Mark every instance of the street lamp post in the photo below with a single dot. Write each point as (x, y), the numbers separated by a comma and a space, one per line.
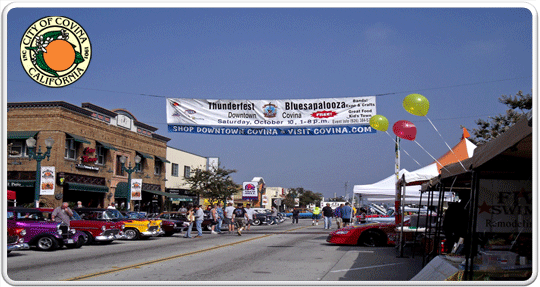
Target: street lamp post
(39, 156)
(129, 170)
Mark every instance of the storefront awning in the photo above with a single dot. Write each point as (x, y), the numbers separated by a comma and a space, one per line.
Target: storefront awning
(171, 195)
(107, 146)
(20, 135)
(21, 183)
(144, 155)
(87, 187)
(162, 159)
(122, 190)
(78, 138)
(184, 198)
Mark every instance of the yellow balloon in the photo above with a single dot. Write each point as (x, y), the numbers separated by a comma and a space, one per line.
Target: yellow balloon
(416, 104)
(379, 123)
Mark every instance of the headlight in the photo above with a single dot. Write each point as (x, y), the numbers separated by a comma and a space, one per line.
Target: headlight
(103, 228)
(72, 231)
(342, 232)
(123, 226)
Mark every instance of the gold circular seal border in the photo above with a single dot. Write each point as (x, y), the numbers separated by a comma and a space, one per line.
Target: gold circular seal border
(76, 36)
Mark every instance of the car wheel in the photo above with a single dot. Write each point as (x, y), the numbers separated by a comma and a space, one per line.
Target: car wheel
(89, 238)
(372, 238)
(78, 244)
(47, 243)
(131, 234)
(257, 222)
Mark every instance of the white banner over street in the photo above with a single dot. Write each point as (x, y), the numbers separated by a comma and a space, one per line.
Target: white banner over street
(272, 117)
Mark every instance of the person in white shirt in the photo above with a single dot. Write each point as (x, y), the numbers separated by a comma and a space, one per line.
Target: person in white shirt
(249, 212)
(228, 212)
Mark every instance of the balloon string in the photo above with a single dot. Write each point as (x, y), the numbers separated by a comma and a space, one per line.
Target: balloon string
(431, 155)
(402, 149)
(446, 143)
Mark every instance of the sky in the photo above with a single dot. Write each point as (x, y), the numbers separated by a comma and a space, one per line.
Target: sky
(461, 59)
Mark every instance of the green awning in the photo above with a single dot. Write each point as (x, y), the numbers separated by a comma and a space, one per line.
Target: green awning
(87, 187)
(78, 138)
(144, 155)
(162, 159)
(171, 195)
(21, 183)
(20, 135)
(122, 190)
(107, 146)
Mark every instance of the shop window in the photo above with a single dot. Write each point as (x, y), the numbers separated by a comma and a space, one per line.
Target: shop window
(17, 148)
(119, 170)
(187, 171)
(71, 149)
(100, 154)
(174, 171)
(157, 167)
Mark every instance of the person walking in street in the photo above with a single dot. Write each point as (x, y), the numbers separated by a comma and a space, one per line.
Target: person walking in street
(190, 220)
(199, 217)
(62, 213)
(295, 215)
(228, 216)
(219, 211)
(346, 213)
(338, 214)
(238, 218)
(249, 212)
(273, 217)
(327, 213)
(316, 215)
(214, 216)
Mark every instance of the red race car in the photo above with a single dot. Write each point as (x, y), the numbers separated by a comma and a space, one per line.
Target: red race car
(370, 234)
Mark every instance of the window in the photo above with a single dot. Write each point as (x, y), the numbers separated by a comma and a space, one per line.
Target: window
(140, 167)
(157, 167)
(187, 171)
(174, 171)
(119, 170)
(18, 148)
(71, 149)
(100, 153)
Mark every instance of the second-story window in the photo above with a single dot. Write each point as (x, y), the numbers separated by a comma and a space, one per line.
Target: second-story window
(174, 171)
(157, 167)
(100, 154)
(119, 170)
(187, 171)
(71, 149)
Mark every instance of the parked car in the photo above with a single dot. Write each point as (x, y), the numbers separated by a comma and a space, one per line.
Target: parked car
(370, 234)
(96, 231)
(41, 233)
(263, 216)
(133, 229)
(304, 213)
(15, 238)
(173, 222)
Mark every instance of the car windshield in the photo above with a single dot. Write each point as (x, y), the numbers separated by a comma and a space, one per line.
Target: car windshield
(33, 215)
(75, 216)
(112, 214)
(135, 215)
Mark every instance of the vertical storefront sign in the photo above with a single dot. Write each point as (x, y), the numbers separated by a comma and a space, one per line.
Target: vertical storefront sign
(136, 189)
(250, 190)
(47, 180)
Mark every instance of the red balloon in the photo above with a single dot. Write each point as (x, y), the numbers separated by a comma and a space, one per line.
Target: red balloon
(405, 130)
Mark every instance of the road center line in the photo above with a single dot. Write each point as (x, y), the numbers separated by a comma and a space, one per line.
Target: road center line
(138, 265)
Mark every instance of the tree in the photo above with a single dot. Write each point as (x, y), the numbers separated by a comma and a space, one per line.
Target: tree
(213, 184)
(490, 129)
(306, 197)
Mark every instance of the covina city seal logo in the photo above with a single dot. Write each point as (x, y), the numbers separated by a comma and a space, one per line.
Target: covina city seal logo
(55, 51)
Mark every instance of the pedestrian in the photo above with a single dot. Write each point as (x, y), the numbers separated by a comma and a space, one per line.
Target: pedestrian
(316, 215)
(219, 211)
(327, 213)
(273, 217)
(346, 213)
(295, 215)
(228, 216)
(250, 212)
(353, 217)
(79, 204)
(62, 213)
(338, 214)
(190, 220)
(214, 217)
(239, 213)
(182, 210)
(199, 217)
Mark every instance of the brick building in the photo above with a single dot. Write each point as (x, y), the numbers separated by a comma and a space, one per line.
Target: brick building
(88, 144)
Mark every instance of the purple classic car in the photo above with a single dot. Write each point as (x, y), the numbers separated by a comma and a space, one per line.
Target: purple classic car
(15, 239)
(43, 234)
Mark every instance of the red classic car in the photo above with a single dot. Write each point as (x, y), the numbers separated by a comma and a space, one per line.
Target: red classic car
(370, 234)
(96, 231)
(15, 238)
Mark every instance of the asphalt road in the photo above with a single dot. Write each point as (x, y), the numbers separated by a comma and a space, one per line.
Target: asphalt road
(284, 253)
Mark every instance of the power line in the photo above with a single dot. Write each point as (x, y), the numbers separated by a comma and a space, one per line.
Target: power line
(376, 95)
